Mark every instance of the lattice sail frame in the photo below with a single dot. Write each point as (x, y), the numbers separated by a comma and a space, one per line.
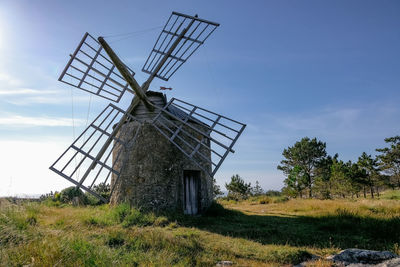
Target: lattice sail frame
(91, 70)
(198, 32)
(79, 156)
(214, 135)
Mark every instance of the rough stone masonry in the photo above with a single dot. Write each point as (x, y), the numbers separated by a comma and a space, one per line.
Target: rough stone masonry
(153, 175)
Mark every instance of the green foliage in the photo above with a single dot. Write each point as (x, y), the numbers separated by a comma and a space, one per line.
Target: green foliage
(280, 199)
(257, 190)
(391, 194)
(135, 217)
(340, 180)
(309, 169)
(300, 163)
(216, 189)
(295, 182)
(370, 167)
(273, 193)
(249, 235)
(323, 177)
(264, 200)
(103, 190)
(115, 239)
(92, 200)
(389, 160)
(121, 211)
(71, 194)
(237, 188)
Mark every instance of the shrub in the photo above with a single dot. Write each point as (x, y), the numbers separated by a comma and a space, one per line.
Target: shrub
(264, 200)
(103, 189)
(72, 193)
(92, 200)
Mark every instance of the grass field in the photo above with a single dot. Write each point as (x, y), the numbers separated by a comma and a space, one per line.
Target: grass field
(277, 233)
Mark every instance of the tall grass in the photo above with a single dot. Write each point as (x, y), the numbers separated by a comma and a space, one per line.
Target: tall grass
(248, 233)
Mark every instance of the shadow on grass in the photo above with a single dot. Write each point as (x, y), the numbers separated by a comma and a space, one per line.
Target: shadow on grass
(340, 230)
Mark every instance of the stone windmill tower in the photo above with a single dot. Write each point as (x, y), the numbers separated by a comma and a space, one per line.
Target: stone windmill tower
(157, 154)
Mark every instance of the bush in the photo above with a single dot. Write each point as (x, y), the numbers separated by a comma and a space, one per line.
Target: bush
(103, 190)
(264, 200)
(71, 194)
(92, 200)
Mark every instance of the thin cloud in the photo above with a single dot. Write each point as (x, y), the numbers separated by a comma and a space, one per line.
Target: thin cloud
(9, 80)
(23, 121)
(51, 98)
(25, 91)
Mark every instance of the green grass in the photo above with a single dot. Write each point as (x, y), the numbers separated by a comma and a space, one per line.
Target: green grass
(391, 194)
(256, 232)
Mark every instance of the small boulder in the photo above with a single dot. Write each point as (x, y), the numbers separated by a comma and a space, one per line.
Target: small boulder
(354, 256)
(395, 262)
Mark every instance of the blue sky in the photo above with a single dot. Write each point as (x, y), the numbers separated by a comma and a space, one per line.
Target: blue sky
(288, 69)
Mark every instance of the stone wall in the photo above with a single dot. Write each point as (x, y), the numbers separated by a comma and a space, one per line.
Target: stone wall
(152, 177)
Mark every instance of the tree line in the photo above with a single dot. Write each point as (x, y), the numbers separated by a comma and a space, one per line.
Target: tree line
(238, 189)
(310, 172)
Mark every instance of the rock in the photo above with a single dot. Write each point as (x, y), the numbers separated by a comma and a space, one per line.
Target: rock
(395, 262)
(390, 263)
(355, 257)
(224, 263)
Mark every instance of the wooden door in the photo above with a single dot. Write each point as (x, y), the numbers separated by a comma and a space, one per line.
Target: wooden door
(191, 192)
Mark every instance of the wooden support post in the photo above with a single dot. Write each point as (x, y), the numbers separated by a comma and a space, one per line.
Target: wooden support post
(125, 73)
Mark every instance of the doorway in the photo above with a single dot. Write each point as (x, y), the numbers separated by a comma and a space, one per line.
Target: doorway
(191, 183)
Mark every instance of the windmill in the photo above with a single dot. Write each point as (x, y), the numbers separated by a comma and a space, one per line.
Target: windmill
(175, 141)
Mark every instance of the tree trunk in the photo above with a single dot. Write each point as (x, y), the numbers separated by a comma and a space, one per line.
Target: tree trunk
(309, 185)
(372, 191)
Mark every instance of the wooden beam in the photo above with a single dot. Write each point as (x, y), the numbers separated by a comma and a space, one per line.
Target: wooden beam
(125, 73)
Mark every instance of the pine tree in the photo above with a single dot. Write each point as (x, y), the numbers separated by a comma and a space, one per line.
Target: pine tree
(237, 188)
(257, 189)
(306, 155)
